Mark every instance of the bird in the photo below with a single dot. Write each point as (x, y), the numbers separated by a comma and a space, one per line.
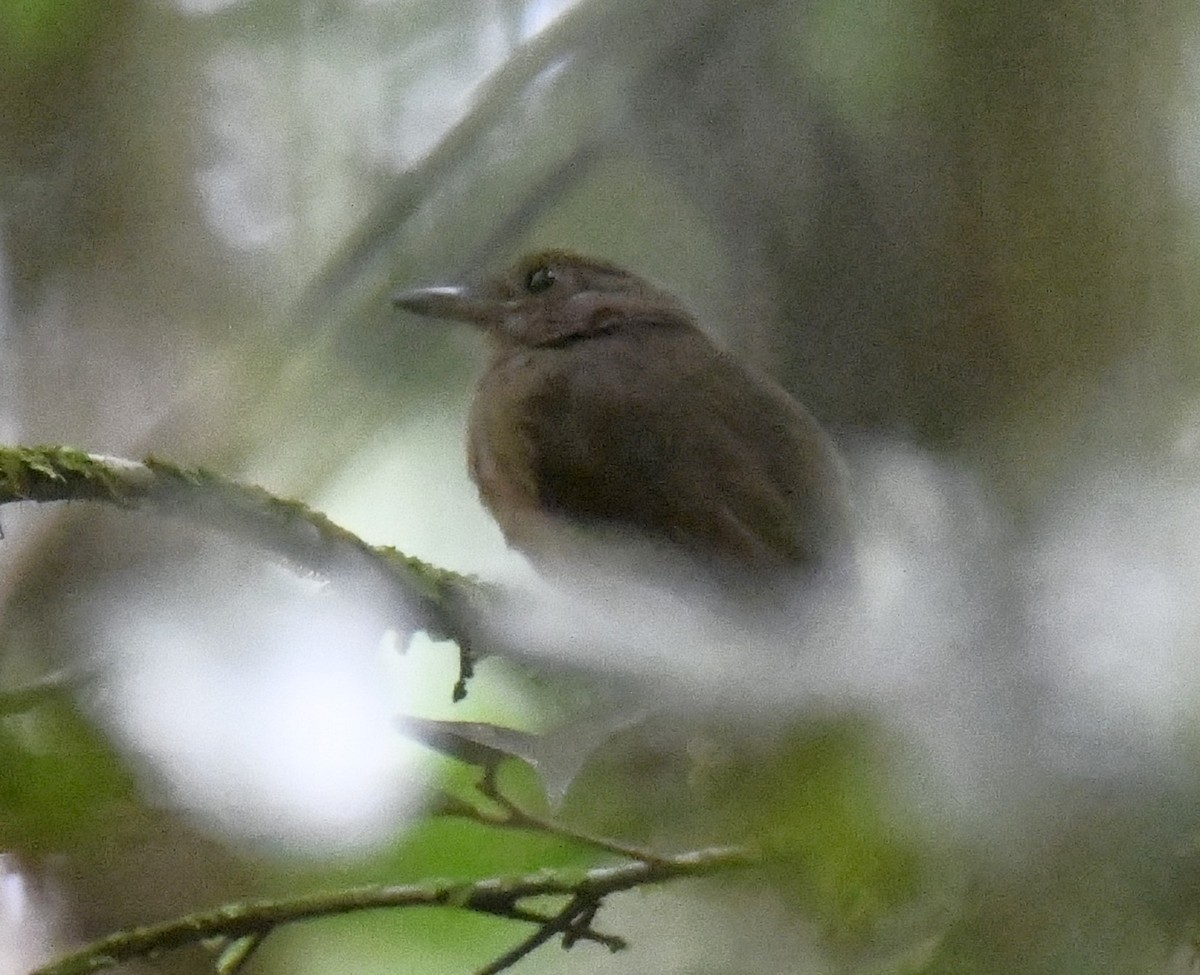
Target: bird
(608, 427)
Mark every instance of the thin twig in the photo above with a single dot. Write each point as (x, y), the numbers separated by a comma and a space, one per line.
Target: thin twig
(562, 922)
(581, 933)
(581, 924)
(516, 817)
(496, 897)
(236, 954)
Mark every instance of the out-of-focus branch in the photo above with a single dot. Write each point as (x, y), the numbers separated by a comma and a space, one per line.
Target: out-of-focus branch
(417, 595)
(497, 897)
(619, 41)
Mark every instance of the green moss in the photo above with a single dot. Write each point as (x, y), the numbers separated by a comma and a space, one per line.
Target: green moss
(46, 473)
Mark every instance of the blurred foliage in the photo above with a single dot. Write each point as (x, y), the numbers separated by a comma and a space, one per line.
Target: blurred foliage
(967, 226)
(35, 33)
(62, 782)
(822, 808)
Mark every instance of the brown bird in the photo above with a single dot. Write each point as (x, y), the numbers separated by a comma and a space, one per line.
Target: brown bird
(607, 422)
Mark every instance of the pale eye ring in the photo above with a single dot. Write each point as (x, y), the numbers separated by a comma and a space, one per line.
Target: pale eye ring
(539, 280)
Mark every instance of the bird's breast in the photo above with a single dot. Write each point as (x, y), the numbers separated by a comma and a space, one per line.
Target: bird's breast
(502, 449)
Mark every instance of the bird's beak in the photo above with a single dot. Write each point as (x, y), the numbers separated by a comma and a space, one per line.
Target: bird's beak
(460, 304)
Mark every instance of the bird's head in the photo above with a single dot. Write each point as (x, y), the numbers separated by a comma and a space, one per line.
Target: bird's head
(548, 299)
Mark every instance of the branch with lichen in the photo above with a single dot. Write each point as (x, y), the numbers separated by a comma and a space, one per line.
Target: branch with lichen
(423, 597)
(585, 891)
(417, 595)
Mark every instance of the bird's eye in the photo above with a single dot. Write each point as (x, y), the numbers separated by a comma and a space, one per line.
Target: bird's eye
(539, 280)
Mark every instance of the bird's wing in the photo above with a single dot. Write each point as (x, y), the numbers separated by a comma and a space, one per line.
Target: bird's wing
(703, 456)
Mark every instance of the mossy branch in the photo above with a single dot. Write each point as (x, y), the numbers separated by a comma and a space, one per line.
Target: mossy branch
(419, 596)
(498, 897)
(424, 598)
